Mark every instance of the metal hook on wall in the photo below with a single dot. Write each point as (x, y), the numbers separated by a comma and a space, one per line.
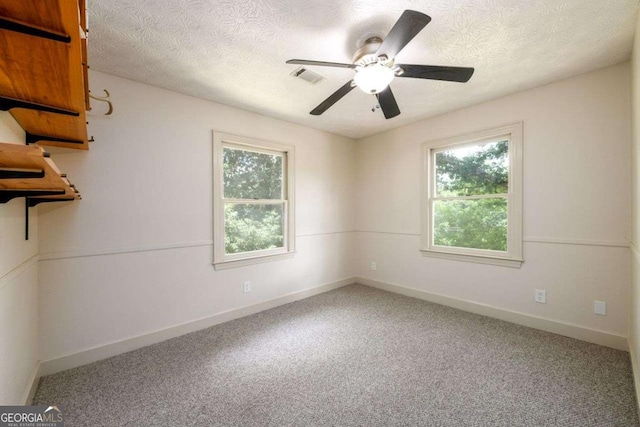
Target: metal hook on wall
(104, 99)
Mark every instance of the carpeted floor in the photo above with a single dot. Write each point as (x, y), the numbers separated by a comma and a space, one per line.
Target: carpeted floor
(356, 356)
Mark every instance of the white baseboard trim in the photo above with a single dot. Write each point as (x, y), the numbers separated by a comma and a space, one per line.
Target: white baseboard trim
(574, 331)
(634, 369)
(32, 386)
(94, 354)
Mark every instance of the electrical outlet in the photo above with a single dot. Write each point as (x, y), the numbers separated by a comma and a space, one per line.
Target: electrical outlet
(600, 307)
(541, 296)
(374, 266)
(246, 286)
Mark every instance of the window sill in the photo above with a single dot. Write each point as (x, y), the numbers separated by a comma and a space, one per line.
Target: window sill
(478, 259)
(223, 265)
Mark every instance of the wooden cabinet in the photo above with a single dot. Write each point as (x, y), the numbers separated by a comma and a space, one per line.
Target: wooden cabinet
(43, 64)
(43, 83)
(43, 78)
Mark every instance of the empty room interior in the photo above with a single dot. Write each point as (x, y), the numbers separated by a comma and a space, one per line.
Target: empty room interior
(247, 213)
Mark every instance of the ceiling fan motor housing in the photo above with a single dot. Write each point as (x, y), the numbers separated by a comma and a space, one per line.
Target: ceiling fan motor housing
(367, 53)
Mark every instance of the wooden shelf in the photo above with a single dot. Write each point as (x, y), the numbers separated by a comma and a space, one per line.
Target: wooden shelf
(50, 185)
(45, 71)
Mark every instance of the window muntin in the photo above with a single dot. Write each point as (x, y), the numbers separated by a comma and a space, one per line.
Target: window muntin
(473, 205)
(252, 199)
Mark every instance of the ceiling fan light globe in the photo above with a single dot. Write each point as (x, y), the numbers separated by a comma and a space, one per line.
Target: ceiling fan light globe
(374, 78)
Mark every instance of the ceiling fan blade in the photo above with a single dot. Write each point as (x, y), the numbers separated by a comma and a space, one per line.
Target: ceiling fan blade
(335, 97)
(320, 63)
(435, 72)
(388, 103)
(407, 27)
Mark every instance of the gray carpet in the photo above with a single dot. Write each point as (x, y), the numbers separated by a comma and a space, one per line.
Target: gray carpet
(356, 356)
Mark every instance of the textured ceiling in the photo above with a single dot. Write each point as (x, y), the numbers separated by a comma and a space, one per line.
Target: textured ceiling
(234, 51)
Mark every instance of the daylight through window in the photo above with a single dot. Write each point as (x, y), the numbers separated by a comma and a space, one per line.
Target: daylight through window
(253, 214)
(473, 204)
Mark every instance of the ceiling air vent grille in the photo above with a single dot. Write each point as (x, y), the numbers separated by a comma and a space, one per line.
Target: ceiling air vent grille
(307, 75)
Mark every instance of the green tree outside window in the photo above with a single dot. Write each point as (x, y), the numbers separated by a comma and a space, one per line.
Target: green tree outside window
(254, 206)
(470, 205)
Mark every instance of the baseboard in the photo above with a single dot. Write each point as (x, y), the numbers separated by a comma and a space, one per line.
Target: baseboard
(32, 386)
(636, 373)
(94, 354)
(574, 331)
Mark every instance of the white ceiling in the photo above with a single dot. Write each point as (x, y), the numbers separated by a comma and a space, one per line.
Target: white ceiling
(234, 51)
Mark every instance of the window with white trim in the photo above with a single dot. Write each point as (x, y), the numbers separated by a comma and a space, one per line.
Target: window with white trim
(472, 204)
(253, 200)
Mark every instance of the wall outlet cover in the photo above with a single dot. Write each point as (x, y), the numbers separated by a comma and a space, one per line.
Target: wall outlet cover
(600, 307)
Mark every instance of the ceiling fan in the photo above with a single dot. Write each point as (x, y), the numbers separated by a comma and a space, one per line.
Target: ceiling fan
(375, 67)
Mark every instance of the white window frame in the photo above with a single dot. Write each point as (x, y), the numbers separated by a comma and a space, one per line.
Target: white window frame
(221, 260)
(513, 256)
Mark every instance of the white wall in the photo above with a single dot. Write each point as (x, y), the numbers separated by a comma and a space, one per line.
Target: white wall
(634, 318)
(134, 256)
(577, 171)
(18, 289)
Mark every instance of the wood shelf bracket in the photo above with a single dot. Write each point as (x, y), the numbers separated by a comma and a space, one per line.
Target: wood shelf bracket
(36, 201)
(33, 139)
(6, 195)
(9, 173)
(20, 27)
(7, 103)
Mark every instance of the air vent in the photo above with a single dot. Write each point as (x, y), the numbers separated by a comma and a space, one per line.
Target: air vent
(307, 75)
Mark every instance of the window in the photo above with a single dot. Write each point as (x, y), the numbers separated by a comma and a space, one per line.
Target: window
(253, 200)
(472, 209)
